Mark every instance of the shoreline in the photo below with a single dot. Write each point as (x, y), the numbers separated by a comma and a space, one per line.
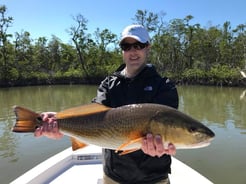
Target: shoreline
(96, 81)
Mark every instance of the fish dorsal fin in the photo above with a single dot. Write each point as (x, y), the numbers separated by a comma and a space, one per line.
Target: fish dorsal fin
(76, 144)
(82, 110)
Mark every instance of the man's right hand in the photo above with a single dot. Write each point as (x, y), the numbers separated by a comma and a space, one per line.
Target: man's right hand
(49, 127)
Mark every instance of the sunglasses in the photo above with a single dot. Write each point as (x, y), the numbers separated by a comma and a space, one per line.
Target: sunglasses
(136, 45)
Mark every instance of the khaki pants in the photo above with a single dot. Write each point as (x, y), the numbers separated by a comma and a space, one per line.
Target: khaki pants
(108, 180)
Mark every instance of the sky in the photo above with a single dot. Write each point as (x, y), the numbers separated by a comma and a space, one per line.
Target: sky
(44, 18)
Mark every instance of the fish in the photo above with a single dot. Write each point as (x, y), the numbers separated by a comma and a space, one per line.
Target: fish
(122, 128)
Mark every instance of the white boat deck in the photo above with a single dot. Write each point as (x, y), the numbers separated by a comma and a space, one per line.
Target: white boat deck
(84, 166)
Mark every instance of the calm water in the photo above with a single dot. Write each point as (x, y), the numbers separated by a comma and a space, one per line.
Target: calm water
(221, 109)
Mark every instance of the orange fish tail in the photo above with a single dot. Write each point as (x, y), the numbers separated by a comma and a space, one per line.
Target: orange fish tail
(26, 120)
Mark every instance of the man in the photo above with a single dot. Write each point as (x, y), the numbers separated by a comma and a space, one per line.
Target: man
(133, 82)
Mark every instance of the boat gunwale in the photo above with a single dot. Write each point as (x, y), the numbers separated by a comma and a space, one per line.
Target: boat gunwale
(53, 167)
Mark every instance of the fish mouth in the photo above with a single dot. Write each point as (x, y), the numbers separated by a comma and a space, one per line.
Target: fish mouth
(202, 144)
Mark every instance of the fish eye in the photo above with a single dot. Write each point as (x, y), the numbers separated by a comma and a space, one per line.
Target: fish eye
(192, 129)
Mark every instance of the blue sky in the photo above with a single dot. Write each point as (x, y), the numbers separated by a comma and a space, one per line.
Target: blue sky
(54, 17)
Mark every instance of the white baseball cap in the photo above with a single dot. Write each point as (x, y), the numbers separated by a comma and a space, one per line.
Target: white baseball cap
(138, 32)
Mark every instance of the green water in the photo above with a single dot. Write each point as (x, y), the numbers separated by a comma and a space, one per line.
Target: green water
(221, 109)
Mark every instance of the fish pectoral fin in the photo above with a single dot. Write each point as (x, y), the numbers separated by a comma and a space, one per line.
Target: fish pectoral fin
(76, 144)
(122, 146)
(128, 151)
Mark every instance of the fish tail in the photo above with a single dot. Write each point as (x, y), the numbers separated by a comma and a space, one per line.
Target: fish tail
(26, 120)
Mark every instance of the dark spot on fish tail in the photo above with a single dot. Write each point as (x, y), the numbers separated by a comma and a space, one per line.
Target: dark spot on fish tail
(39, 122)
(39, 119)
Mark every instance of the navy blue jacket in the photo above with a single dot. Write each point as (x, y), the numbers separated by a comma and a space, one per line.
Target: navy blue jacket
(147, 87)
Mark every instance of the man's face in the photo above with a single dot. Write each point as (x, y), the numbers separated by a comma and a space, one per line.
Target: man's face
(136, 55)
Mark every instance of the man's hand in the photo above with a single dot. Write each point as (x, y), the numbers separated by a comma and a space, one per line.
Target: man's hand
(49, 128)
(153, 146)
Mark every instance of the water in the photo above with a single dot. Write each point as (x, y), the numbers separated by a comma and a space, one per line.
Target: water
(221, 109)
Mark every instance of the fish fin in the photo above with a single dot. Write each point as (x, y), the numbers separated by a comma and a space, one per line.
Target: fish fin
(129, 143)
(128, 151)
(26, 120)
(82, 110)
(76, 144)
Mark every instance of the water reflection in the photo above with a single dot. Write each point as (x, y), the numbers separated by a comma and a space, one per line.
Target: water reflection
(7, 141)
(242, 95)
(214, 105)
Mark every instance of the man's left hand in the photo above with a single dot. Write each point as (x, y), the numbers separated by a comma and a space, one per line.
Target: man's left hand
(153, 146)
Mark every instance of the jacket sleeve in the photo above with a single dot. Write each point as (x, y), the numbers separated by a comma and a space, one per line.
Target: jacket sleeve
(102, 93)
(167, 94)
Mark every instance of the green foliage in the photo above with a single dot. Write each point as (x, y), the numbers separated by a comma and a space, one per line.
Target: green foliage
(223, 72)
(194, 74)
(182, 51)
(73, 73)
(13, 74)
(217, 75)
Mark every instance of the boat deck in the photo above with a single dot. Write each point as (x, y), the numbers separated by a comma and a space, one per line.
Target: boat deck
(84, 166)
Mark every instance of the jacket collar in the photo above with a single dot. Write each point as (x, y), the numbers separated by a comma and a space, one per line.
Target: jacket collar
(148, 71)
